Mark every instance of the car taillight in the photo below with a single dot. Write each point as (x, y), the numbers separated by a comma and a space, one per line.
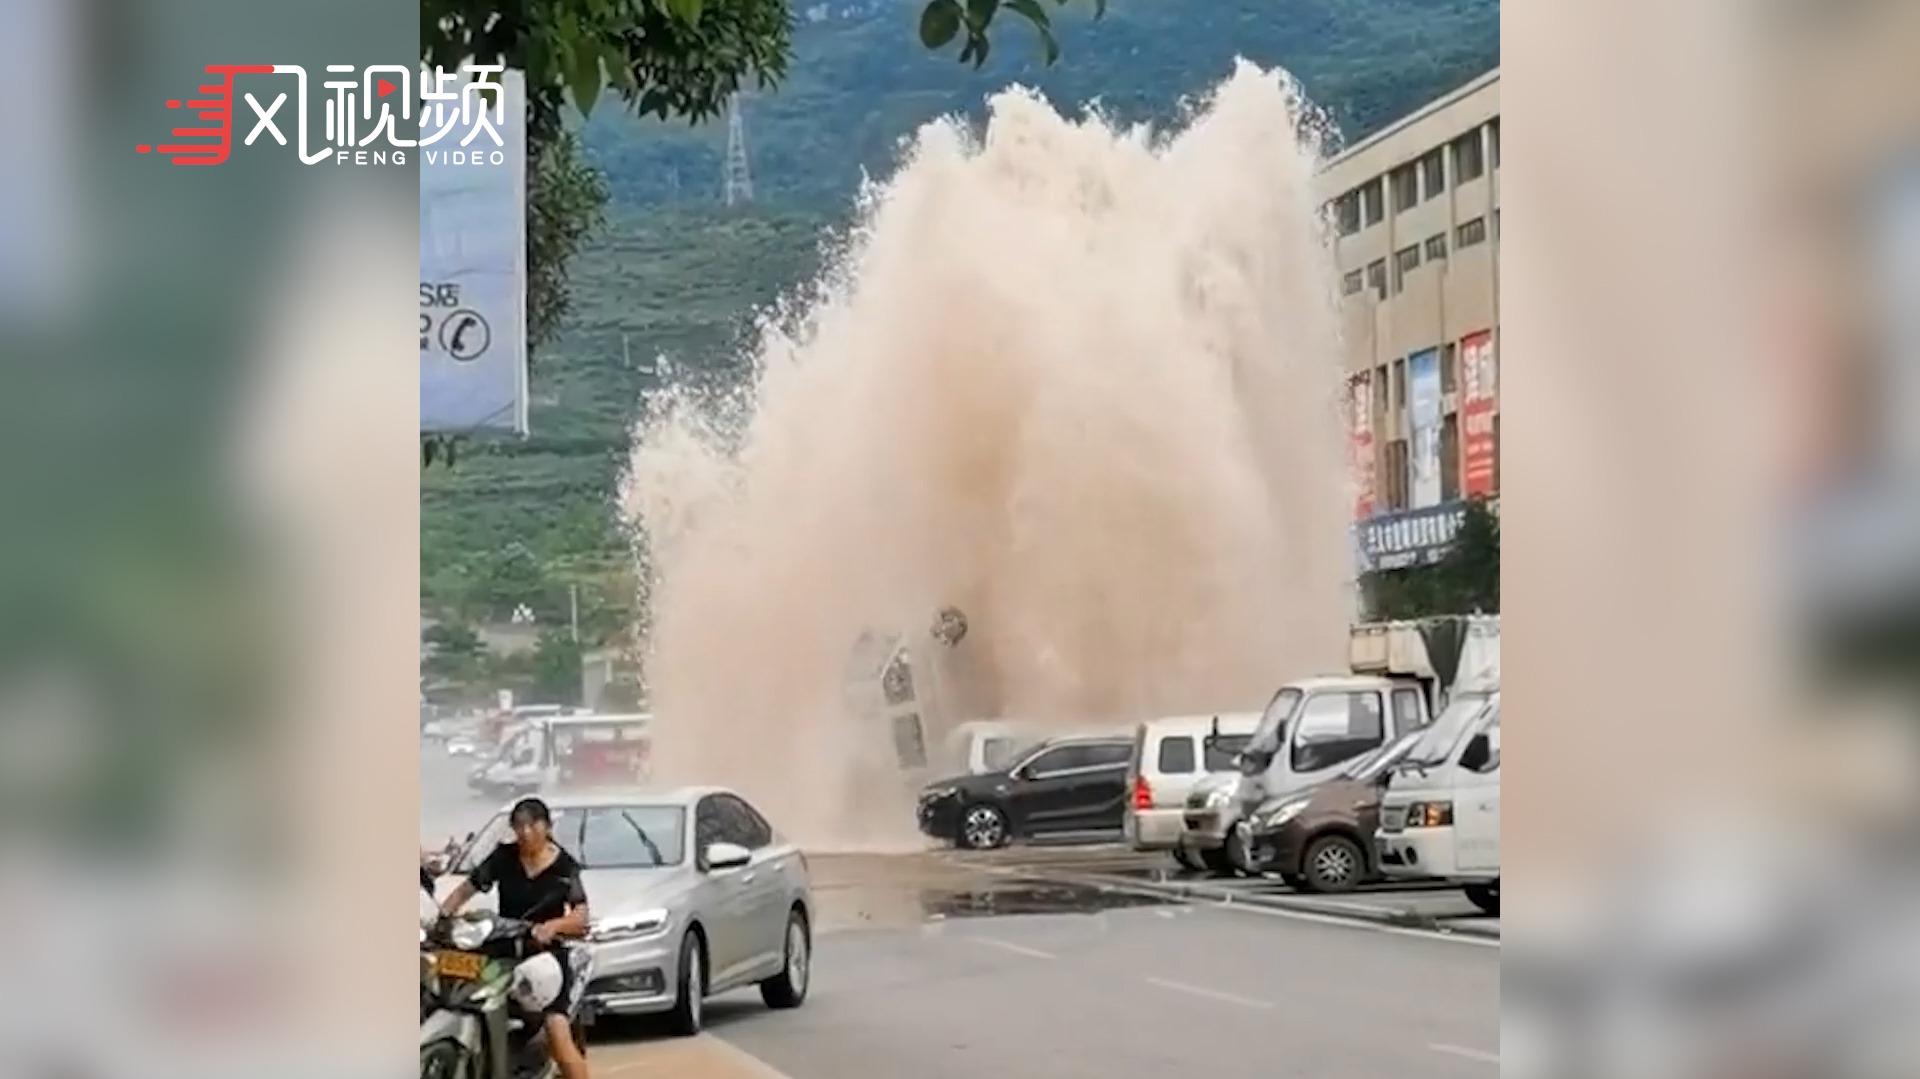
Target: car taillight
(1142, 793)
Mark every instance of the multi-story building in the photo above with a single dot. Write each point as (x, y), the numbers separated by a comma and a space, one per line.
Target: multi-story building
(1415, 210)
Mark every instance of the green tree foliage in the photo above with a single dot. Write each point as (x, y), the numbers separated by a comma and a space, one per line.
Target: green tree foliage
(556, 669)
(1465, 581)
(456, 653)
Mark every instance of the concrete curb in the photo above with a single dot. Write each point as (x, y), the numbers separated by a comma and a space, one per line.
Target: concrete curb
(1203, 891)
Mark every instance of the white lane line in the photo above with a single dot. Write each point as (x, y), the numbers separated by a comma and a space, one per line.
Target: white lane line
(1480, 1055)
(1334, 919)
(1009, 946)
(1210, 994)
(745, 1061)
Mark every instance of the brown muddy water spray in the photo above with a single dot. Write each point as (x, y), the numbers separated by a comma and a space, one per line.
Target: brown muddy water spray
(1081, 382)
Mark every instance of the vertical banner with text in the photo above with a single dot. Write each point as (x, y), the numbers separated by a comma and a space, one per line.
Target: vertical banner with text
(1423, 418)
(1480, 393)
(1360, 443)
(473, 259)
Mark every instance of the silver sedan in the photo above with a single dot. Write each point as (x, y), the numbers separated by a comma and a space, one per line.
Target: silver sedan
(692, 894)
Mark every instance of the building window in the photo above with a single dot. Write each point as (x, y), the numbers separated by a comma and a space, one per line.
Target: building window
(1346, 213)
(1433, 174)
(1406, 188)
(1450, 457)
(1469, 160)
(1496, 226)
(1351, 283)
(1373, 206)
(1399, 385)
(1473, 232)
(1380, 391)
(1394, 474)
(1493, 138)
(1377, 277)
(1437, 247)
(1405, 261)
(1448, 377)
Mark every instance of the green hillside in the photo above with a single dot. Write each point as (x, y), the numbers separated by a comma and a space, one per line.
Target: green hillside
(676, 273)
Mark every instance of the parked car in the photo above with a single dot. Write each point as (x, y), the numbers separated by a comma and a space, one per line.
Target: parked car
(1169, 757)
(692, 894)
(1321, 839)
(1071, 784)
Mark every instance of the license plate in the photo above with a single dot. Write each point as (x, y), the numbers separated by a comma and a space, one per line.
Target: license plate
(460, 966)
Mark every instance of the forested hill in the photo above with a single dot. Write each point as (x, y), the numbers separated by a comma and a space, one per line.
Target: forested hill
(860, 82)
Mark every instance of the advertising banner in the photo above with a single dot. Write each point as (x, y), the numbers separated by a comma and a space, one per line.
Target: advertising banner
(1411, 537)
(1479, 396)
(1423, 420)
(1360, 444)
(473, 258)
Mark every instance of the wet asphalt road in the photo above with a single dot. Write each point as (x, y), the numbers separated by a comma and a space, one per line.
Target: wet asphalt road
(938, 965)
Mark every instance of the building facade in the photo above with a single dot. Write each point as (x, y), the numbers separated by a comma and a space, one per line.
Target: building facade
(1415, 214)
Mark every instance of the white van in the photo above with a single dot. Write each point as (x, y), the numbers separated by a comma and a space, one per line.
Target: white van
(1440, 816)
(1169, 757)
(1310, 730)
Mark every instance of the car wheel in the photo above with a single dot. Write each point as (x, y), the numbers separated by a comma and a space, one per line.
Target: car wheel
(982, 827)
(788, 989)
(1185, 859)
(1485, 896)
(1214, 861)
(1333, 863)
(690, 1006)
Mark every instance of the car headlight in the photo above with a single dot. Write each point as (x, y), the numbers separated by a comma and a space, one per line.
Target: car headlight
(1222, 796)
(934, 794)
(1285, 812)
(469, 935)
(1430, 815)
(646, 923)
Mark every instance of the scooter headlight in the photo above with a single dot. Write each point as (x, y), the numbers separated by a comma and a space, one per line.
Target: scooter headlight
(467, 936)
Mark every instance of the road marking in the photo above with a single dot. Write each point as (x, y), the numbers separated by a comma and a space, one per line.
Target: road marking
(1480, 1055)
(1333, 919)
(702, 1057)
(1009, 946)
(1210, 994)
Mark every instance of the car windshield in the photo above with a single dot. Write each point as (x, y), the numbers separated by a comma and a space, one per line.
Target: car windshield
(1368, 767)
(632, 836)
(1437, 741)
(1271, 732)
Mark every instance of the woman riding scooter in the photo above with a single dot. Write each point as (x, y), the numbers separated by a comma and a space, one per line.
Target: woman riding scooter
(537, 878)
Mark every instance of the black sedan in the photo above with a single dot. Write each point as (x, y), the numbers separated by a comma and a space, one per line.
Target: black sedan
(1062, 785)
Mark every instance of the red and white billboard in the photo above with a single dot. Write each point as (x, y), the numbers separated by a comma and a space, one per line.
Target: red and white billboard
(1360, 443)
(1479, 400)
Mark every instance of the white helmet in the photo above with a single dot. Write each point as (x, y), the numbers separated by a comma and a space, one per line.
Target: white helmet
(537, 982)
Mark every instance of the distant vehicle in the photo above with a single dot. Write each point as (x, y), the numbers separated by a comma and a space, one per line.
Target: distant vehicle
(692, 894)
(1063, 785)
(1169, 757)
(1321, 839)
(462, 746)
(571, 751)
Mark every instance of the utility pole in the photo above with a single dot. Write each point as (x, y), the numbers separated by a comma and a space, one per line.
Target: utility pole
(737, 180)
(573, 616)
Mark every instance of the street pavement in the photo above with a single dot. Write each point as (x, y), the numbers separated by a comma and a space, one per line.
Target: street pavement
(1069, 962)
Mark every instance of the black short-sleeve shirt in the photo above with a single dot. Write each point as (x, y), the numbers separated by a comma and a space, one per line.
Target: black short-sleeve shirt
(544, 896)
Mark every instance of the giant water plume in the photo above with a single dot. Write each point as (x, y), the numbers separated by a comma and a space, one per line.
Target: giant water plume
(1082, 383)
